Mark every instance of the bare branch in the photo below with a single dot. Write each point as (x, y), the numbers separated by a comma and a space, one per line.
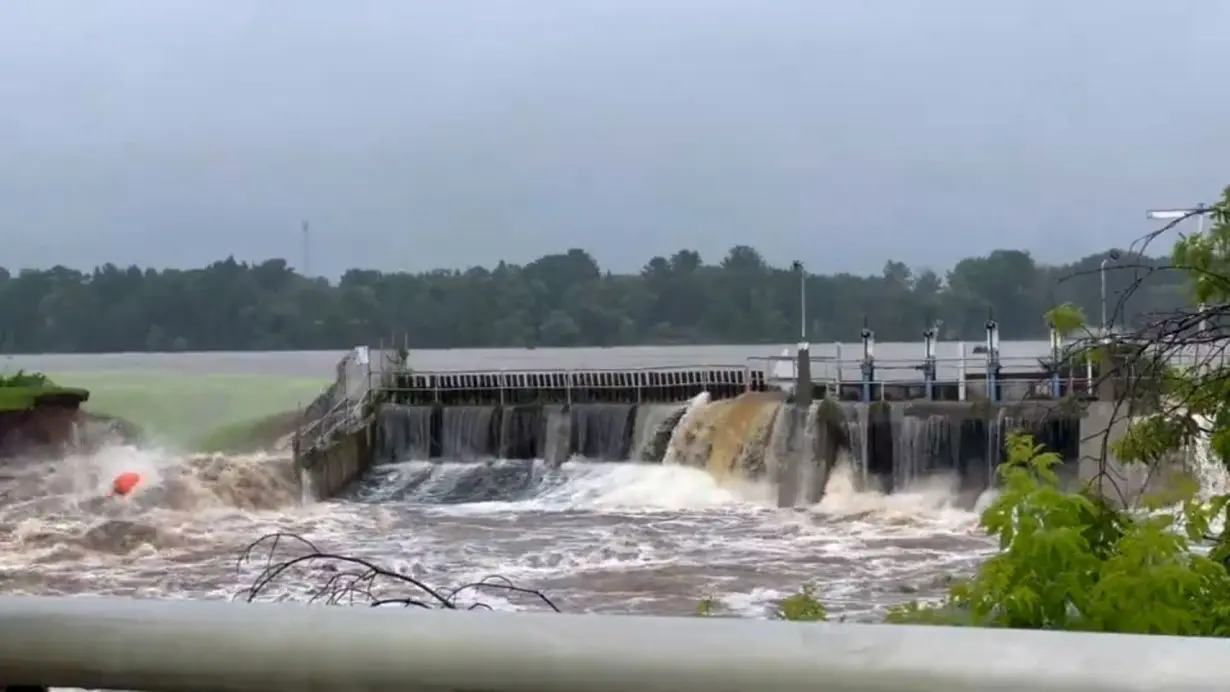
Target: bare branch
(349, 580)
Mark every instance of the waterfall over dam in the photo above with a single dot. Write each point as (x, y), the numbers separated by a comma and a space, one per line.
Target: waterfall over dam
(787, 422)
(754, 436)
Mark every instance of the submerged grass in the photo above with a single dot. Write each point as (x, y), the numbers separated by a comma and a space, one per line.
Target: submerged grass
(212, 412)
(249, 434)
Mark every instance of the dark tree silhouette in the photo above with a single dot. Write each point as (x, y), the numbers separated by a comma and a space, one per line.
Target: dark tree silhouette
(557, 300)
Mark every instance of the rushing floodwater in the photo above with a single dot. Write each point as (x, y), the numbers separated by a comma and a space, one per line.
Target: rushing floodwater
(609, 537)
(612, 537)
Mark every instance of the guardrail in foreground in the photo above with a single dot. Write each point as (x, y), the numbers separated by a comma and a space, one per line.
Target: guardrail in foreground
(112, 643)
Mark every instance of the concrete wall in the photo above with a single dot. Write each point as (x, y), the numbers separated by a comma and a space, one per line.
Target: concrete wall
(1104, 423)
(328, 470)
(1101, 424)
(600, 432)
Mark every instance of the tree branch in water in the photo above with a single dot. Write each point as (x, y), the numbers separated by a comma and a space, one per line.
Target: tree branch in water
(348, 580)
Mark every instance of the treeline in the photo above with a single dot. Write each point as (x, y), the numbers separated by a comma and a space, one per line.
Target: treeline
(558, 300)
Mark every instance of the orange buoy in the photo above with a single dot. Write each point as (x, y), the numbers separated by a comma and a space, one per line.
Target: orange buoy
(125, 482)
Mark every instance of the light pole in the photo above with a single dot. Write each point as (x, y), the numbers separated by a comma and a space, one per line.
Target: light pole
(1114, 255)
(307, 250)
(1174, 215)
(798, 267)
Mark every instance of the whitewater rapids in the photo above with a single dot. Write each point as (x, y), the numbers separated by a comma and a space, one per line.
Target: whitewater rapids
(609, 537)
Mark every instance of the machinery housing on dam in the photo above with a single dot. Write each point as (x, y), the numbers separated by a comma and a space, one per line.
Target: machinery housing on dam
(787, 419)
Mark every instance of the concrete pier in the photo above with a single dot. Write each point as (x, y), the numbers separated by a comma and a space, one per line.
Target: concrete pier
(326, 471)
(1105, 422)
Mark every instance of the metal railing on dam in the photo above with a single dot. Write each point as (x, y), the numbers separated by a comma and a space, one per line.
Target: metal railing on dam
(122, 644)
(978, 374)
(1026, 380)
(576, 386)
(981, 373)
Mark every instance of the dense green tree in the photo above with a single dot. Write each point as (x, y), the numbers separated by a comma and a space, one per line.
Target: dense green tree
(562, 299)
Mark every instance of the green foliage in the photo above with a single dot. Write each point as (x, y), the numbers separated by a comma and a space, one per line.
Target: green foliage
(1066, 319)
(1195, 395)
(563, 299)
(22, 390)
(1071, 560)
(1150, 438)
(707, 606)
(801, 607)
(1206, 256)
(21, 378)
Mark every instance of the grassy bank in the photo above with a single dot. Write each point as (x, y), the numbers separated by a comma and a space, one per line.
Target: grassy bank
(22, 398)
(194, 411)
(24, 390)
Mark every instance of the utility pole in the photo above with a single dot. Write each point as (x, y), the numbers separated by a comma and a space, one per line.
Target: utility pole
(307, 249)
(798, 267)
(1112, 257)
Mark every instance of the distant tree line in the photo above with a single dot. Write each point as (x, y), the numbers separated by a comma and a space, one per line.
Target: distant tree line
(557, 300)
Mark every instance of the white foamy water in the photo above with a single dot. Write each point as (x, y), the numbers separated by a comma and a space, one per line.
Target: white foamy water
(612, 537)
(1210, 472)
(695, 407)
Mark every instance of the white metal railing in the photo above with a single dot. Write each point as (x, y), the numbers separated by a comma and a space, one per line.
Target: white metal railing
(968, 366)
(364, 370)
(640, 380)
(113, 643)
(346, 416)
(342, 401)
(721, 367)
(767, 365)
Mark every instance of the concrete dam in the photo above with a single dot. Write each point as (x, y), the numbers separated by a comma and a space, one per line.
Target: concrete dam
(753, 436)
(788, 421)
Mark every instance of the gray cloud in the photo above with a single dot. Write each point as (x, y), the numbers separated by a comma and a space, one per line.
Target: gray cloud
(421, 134)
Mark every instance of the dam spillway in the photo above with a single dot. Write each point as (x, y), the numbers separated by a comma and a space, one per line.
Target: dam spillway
(789, 420)
(753, 436)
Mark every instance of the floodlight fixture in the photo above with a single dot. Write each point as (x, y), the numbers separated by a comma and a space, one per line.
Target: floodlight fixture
(1171, 214)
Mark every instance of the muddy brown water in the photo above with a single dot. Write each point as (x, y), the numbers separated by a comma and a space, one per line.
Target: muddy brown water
(610, 537)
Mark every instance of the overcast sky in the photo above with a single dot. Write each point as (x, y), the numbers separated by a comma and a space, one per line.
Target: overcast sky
(417, 134)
